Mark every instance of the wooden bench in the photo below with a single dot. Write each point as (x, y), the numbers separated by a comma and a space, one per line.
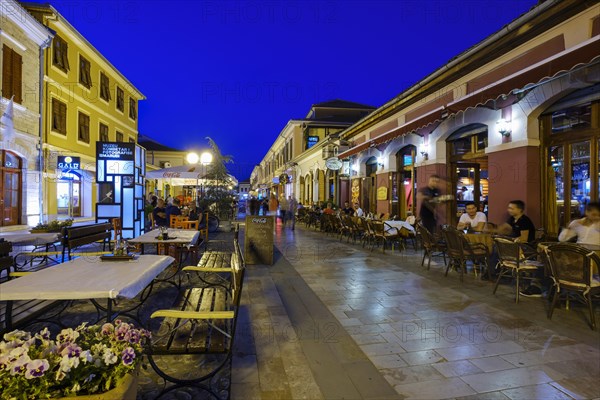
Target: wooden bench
(78, 236)
(202, 323)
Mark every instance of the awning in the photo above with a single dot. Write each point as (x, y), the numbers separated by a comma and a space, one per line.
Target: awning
(563, 62)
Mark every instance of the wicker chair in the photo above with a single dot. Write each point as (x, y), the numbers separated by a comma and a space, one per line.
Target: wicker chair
(513, 262)
(572, 272)
(460, 251)
(431, 246)
(383, 234)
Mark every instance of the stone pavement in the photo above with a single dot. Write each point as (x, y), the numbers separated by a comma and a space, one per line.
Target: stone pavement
(333, 320)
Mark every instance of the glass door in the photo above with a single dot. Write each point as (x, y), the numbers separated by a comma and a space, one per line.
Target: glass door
(470, 184)
(68, 193)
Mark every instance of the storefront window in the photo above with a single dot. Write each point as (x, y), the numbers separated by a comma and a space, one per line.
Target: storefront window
(573, 118)
(580, 178)
(557, 187)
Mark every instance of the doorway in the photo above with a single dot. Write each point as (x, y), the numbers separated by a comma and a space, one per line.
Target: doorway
(10, 188)
(404, 183)
(468, 169)
(369, 191)
(68, 193)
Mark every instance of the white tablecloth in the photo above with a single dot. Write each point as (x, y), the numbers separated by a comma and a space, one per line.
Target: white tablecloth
(184, 237)
(399, 224)
(31, 239)
(87, 278)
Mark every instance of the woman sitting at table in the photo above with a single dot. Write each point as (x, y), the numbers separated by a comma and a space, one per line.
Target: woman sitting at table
(586, 229)
(472, 219)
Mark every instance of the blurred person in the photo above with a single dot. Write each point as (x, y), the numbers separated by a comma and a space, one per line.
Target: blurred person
(428, 196)
(159, 213)
(586, 229)
(283, 209)
(358, 211)
(273, 205)
(329, 209)
(347, 209)
(173, 209)
(293, 207)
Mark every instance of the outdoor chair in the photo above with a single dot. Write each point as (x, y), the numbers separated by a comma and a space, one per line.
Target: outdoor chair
(460, 251)
(513, 262)
(431, 246)
(572, 269)
(383, 234)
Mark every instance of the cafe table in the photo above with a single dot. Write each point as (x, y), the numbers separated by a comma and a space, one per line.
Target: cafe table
(87, 278)
(177, 237)
(481, 237)
(398, 225)
(41, 242)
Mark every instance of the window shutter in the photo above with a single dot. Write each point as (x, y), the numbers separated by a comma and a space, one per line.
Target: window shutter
(17, 67)
(65, 54)
(6, 71)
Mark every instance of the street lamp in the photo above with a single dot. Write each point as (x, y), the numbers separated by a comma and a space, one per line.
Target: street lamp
(192, 158)
(205, 158)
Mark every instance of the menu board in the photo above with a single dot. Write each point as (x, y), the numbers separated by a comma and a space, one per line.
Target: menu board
(258, 241)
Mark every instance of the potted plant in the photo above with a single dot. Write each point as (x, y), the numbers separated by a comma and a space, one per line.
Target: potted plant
(91, 362)
(53, 226)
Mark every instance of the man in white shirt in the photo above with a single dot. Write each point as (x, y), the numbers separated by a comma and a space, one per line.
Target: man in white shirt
(472, 219)
(587, 229)
(359, 211)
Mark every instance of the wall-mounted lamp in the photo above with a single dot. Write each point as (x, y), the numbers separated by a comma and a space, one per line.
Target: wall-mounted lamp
(425, 150)
(380, 161)
(425, 155)
(503, 127)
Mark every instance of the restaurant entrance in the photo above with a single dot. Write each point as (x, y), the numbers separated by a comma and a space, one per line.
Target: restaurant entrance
(404, 183)
(68, 191)
(10, 188)
(468, 169)
(571, 134)
(369, 185)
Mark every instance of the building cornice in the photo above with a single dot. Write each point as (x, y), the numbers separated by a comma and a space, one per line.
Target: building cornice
(80, 40)
(526, 27)
(13, 11)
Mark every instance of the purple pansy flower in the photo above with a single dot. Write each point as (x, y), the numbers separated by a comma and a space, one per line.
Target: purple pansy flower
(107, 329)
(36, 368)
(20, 365)
(128, 356)
(71, 350)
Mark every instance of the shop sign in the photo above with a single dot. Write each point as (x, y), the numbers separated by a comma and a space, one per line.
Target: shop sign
(333, 163)
(382, 193)
(276, 180)
(115, 151)
(68, 163)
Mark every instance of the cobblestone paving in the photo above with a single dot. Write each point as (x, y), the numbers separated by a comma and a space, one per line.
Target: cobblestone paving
(332, 320)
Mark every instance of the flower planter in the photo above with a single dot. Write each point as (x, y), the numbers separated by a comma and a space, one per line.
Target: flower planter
(125, 390)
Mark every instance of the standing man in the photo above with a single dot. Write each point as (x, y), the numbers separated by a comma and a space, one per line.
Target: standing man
(428, 196)
(293, 207)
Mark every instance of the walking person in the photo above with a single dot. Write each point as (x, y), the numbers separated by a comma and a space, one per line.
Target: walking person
(428, 196)
(283, 209)
(293, 207)
(273, 204)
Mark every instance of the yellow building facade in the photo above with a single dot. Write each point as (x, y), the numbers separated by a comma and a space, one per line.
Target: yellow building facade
(85, 100)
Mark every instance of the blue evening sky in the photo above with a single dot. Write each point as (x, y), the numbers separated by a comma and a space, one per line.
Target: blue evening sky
(237, 71)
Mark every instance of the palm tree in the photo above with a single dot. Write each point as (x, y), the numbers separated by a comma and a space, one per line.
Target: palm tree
(219, 173)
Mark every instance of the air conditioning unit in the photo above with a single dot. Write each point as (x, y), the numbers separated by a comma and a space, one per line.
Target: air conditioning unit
(166, 164)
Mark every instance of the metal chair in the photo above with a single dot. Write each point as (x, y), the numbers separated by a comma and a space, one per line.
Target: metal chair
(512, 261)
(571, 269)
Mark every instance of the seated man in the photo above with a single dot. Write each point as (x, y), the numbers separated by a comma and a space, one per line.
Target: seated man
(173, 209)
(329, 210)
(472, 219)
(359, 211)
(347, 209)
(586, 229)
(520, 227)
(159, 213)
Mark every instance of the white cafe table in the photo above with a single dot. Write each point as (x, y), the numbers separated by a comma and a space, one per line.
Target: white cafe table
(182, 237)
(399, 224)
(31, 239)
(87, 278)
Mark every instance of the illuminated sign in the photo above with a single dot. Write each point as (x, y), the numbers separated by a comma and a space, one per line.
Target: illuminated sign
(115, 151)
(312, 140)
(333, 163)
(67, 163)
